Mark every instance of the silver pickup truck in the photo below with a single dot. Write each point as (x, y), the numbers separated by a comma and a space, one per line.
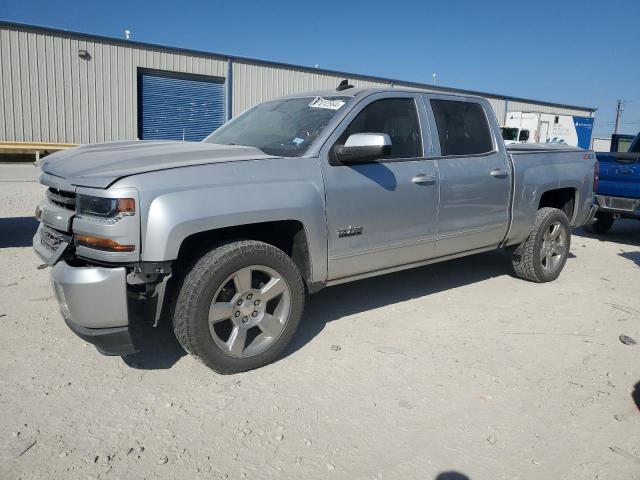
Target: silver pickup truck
(227, 236)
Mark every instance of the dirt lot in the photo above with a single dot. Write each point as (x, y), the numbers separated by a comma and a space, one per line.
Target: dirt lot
(452, 371)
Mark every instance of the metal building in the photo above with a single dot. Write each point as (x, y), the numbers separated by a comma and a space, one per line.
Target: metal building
(67, 87)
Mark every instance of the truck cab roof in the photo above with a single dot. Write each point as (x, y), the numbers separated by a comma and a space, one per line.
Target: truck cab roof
(366, 91)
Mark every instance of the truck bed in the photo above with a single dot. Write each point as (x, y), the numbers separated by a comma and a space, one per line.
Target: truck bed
(541, 147)
(543, 167)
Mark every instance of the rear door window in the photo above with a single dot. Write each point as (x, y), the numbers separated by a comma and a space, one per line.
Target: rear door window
(463, 128)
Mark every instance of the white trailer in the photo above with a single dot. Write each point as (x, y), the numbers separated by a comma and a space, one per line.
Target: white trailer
(536, 127)
(601, 144)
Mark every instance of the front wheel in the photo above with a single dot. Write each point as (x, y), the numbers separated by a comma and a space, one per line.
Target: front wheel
(543, 255)
(239, 306)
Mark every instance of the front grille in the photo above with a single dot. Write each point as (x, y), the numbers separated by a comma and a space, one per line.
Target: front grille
(62, 199)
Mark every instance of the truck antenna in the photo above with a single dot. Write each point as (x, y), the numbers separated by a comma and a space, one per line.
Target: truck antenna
(343, 85)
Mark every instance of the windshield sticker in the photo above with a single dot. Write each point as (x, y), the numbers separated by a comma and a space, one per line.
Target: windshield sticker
(297, 141)
(320, 102)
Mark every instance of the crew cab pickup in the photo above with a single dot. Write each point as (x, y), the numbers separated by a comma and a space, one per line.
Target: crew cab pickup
(618, 190)
(227, 236)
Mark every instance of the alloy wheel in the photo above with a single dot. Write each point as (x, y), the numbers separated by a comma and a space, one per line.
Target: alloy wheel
(249, 311)
(554, 247)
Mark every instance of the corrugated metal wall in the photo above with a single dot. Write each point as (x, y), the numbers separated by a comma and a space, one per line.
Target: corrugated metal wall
(498, 105)
(254, 83)
(517, 106)
(50, 94)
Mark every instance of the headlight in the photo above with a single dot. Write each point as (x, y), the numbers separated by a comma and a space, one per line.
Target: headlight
(107, 209)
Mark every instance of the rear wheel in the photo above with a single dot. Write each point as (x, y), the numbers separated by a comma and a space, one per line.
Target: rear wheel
(543, 255)
(603, 223)
(239, 306)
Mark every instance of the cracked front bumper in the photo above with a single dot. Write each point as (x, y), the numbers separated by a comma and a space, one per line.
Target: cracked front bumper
(93, 302)
(108, 341)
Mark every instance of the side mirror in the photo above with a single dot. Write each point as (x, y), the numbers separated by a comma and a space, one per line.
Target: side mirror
(364, 148)
(524, 135)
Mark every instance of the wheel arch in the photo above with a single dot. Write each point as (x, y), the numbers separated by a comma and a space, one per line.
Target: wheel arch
(564, 198)
(534, 195)
(286, 214)
(290, 236)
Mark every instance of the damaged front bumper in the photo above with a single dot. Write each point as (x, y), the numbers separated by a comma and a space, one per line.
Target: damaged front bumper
(108, 341)
(93, 302)
(93, 296)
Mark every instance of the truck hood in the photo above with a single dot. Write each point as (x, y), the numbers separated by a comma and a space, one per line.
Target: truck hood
(100, 165)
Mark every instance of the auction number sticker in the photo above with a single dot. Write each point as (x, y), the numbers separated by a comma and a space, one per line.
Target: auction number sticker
(320, 102)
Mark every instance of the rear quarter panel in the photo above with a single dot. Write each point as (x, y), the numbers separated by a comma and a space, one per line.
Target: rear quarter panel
(538, 172)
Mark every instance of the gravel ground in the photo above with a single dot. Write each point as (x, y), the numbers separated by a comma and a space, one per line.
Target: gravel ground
(453, 371)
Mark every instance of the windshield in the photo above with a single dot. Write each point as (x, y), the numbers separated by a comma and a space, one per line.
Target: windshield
(285, 128)
(509, 133)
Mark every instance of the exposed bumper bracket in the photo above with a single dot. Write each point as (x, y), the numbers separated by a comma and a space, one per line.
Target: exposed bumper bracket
(159, 298)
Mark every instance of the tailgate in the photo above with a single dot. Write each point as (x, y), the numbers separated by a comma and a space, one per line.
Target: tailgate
(619, 174)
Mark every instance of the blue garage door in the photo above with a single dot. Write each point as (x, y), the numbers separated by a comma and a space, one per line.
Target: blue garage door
(176, 106)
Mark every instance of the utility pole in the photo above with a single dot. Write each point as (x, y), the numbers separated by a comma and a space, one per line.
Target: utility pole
(619, 109)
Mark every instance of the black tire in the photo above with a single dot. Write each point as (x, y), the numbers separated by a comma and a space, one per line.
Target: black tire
(603, 223)
(205, 278)
(528, 256)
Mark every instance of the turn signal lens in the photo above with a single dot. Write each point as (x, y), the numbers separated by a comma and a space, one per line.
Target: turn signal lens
(102, 244)
(126, 205)
(38, 213)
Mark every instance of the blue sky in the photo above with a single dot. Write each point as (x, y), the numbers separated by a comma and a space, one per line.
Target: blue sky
(576, 52)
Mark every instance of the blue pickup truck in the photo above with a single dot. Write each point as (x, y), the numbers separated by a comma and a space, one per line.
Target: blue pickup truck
(618, 187)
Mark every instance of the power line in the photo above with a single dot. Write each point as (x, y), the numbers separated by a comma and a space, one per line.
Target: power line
(619, 123)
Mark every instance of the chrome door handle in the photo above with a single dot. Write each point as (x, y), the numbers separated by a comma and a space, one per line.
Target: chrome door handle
(423, 179)
(498, 172)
